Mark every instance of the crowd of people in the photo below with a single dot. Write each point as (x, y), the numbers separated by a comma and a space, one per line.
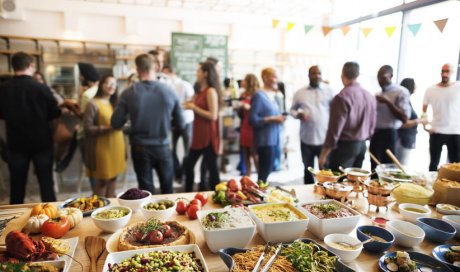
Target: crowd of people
(158, 108)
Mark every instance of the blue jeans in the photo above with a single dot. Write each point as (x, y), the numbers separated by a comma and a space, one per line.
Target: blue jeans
(266, 159)
(309, 152)
(18, 165)
(149, 157)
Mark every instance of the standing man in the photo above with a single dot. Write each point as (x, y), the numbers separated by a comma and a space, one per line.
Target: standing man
(351, 122)
(311, 106)
(393, 110)
(151, 106)
(444, 99)
(28, 107)
(184, 92)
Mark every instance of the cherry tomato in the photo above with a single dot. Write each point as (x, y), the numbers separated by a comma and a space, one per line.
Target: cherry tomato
(203, 197)
(191, 211)
(140, 237)
(166, 230)
(156, 237)
(181, 207)
(56, 227)
(196, 202)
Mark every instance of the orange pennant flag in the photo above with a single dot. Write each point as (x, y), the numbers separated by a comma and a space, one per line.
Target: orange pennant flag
(326, 30)
(290, 26)
(441, 24)
(345, 30)
(366, 31)
(275, 23)
(390, 30)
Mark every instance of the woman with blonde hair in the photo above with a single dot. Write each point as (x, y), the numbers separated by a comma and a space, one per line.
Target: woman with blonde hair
(250, 85)
(265, 118)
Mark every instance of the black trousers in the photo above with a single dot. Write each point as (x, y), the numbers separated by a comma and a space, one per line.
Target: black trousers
(186, 135)
(267, 155)
(347, 154)
(437, 140)
(18, 165)
(382, 140)
(309, 152)
(210, 160)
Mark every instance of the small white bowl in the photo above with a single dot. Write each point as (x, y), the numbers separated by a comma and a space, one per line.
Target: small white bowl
(344, 255)
(406, 234)
(133, 204)
(161, 215)
(280, 231)
(114, 224)
(411, 216)
(454, 220)
(442, 209)
(237, 237)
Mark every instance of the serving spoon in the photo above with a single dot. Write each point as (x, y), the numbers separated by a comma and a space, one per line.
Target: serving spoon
(357, 245)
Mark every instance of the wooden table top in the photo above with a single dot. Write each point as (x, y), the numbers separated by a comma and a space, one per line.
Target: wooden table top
(365, 262)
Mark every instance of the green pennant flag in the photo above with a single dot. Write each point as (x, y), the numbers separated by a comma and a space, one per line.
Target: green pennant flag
(414, 28)
(307, 28)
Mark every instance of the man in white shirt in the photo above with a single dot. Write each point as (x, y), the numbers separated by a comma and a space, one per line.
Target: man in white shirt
(444, 99)
(184, 91)
(311, 106)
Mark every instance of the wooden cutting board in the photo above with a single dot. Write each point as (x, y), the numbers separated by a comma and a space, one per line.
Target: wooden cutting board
(15, 224)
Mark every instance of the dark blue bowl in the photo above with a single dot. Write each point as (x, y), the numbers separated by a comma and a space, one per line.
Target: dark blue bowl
(436, 230)
(420, 259)
(375, 246)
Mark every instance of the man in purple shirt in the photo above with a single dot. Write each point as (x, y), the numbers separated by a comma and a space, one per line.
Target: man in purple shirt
(352, 121)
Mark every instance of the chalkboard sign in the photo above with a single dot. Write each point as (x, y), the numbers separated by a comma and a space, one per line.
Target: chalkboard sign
(188, 50)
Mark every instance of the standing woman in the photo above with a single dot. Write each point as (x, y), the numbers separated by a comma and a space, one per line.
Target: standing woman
(104, 146)
(265, 119)
(205, 136)
(251, 85)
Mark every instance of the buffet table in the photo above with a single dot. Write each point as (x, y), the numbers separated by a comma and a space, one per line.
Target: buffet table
(365, 262)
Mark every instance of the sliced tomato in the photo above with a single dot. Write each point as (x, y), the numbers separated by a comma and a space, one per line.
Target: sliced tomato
(166, 230)
(56, 227)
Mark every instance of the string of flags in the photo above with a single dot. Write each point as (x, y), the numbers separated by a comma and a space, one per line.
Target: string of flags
(413, 28)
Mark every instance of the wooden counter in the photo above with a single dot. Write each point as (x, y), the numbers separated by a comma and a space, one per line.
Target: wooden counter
(365, 262)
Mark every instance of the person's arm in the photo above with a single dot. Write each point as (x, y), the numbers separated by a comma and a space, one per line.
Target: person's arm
(120, 114)
(213, 105)
(89, 121)
(397, 111)
(178, 115)
(295, 107)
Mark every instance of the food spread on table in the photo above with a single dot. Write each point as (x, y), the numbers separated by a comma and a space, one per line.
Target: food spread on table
(86, 203)
(29, 267)
(272, 213)
(448, 207)
(453, 255)
(328, 210)
(230, 218)
(401, 262)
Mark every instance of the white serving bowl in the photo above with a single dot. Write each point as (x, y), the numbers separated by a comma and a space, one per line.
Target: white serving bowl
(411, 216)
(237, 237)
(440, 208)
(114, 224)
(134, 204)
(280, 231)
(161, 215)
(454, 220)
(406, 234)
(345, 255)
(323, 227)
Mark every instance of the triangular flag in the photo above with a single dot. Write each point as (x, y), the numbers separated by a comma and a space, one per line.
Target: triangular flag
(414, 28)
(290, 26)
(366, 31)
(307, 28)
(390, 30)
(441, 24)
(275, 23)
(345, 30)
(326, 30)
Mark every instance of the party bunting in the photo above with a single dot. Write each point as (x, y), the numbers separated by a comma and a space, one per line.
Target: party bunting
(390, 30)
(366, 31)
(326, 30)
(290, 26)
(345, 30)
(414, 28)
(441, 24)
(307, 28)
(275, 23)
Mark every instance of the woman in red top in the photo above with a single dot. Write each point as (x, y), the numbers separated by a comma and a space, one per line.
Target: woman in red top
(205, 136)
(251, 85)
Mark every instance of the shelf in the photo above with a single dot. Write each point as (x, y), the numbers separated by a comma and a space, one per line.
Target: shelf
(12, 52)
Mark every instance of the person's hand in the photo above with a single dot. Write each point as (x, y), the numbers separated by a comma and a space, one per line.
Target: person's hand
(72, 106)
(322, 161)
(382, 99)
(278, 119)
(246, 106)
(423, 121)
(189, 105)
(302, 116)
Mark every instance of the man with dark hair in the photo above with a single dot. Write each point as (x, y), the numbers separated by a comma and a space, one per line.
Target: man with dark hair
(393, 110)
(27, 108)
(151, 106)
(351, 122)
